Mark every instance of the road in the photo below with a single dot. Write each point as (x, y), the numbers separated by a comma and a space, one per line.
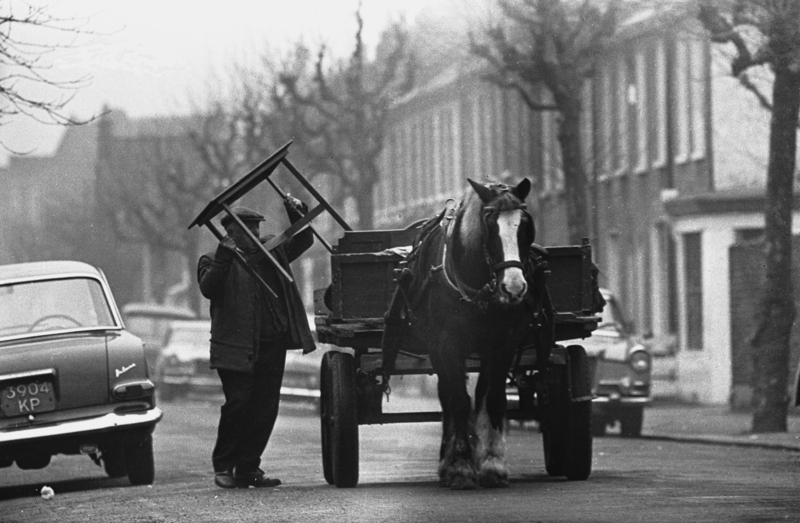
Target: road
(632, 480)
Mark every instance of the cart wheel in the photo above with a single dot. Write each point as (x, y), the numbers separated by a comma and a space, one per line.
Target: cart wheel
(553, 422)
(631, 422)
(339, 420)
(324, 413)
(567, 432)
(578, 458)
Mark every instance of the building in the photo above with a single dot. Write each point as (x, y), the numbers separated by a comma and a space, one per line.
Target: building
(676, 155)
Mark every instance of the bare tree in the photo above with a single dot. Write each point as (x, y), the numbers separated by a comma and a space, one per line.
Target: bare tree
(341, 113)
(553, 45)
(767, 33)
(29, 35)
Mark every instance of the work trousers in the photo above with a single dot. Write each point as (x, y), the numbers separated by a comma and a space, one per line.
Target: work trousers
(248, 415)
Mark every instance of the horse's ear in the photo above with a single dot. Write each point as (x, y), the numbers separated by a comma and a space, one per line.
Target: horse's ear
(522, 189)
(484, 193)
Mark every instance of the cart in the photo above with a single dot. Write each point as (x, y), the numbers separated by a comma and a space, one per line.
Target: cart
(349, 315)
(551, 380)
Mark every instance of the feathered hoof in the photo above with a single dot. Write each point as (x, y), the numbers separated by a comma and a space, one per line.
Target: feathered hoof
(459, 476)
(493, 474)
(494, 480)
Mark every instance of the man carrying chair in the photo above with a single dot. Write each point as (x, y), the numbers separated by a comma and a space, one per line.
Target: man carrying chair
(253, 324)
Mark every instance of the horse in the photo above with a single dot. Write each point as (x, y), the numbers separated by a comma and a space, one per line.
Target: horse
(461, 296)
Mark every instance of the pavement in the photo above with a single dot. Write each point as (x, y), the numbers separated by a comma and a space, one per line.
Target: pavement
(715, 424)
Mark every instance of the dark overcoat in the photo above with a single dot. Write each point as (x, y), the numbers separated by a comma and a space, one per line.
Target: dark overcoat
(235, 312)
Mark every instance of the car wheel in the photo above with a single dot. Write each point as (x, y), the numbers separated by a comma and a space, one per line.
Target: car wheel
(6, 462)
(139, 459)
(38, 461)
(599, 426)
(113, 461)
(631, 423)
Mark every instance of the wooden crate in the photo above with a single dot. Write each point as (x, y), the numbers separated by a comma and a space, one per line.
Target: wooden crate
(362, 272)
(570, 282)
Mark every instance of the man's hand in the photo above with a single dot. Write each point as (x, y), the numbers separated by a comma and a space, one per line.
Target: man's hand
(225, 250)
(294, 205)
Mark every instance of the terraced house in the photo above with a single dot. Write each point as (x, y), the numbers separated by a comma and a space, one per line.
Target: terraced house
(675, 152)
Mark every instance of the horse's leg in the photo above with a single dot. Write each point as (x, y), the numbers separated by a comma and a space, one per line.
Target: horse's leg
(456, 465)
(490, 404)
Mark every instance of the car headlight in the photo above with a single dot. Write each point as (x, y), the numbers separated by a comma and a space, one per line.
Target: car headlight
(640, 361)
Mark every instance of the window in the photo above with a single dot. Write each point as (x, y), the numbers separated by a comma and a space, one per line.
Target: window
(697, 87)
(606, 131)
(682, 101)
(660, 105)
(621, 123)
(641, 102)
(692, 260)
(587, 128)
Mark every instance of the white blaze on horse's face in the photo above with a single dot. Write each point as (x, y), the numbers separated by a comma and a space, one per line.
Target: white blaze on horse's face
(512, 285)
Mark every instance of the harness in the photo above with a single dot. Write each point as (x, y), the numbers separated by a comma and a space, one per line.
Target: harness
(479, 297)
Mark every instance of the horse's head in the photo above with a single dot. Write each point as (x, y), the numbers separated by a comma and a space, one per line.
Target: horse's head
(507, 232)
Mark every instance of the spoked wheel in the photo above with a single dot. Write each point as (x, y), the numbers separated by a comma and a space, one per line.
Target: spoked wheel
(324, 409)
(567, 431)
(339, 420)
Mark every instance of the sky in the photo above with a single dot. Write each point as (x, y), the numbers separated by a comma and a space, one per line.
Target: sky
(157, 57)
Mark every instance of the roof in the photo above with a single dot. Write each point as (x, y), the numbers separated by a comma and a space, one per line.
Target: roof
(204, 325)
(157, 310)
(42, 269)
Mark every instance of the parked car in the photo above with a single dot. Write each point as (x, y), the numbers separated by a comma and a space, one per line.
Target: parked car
(622, 368)
(182, 366)
(72, 379)
(150, 322)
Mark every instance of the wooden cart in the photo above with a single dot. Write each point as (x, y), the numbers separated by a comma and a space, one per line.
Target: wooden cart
(349, 316)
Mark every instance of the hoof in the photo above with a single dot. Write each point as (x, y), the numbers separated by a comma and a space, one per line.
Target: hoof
(462, 483)
(458, 476)
(494, 474)
(494, 480)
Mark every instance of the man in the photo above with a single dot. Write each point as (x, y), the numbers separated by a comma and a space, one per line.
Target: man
(251, 330)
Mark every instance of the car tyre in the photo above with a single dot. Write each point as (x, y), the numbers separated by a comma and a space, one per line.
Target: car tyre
(631, 422)
(139, 459)
(113, 459)
(32, 462)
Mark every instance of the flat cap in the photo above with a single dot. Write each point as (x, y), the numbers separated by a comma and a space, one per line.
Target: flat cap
(244, 213)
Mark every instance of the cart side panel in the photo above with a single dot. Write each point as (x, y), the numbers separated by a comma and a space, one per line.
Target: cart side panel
(363, 272)
(362, 284)
(570, 281)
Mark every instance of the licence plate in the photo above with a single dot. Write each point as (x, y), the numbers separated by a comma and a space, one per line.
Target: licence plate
(27, 398)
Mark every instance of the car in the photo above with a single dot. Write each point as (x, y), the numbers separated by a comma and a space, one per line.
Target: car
(73, 380)
(183, 365)
(621, 367)
(150, 321)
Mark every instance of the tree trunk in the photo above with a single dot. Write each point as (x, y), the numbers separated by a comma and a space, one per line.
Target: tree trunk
(574, 176)
(776, 314)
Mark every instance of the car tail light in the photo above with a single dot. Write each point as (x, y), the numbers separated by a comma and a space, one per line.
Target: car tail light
(133, 390)
(640, 361)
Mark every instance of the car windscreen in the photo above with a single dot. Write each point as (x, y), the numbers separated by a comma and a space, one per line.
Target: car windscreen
(53, 305)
